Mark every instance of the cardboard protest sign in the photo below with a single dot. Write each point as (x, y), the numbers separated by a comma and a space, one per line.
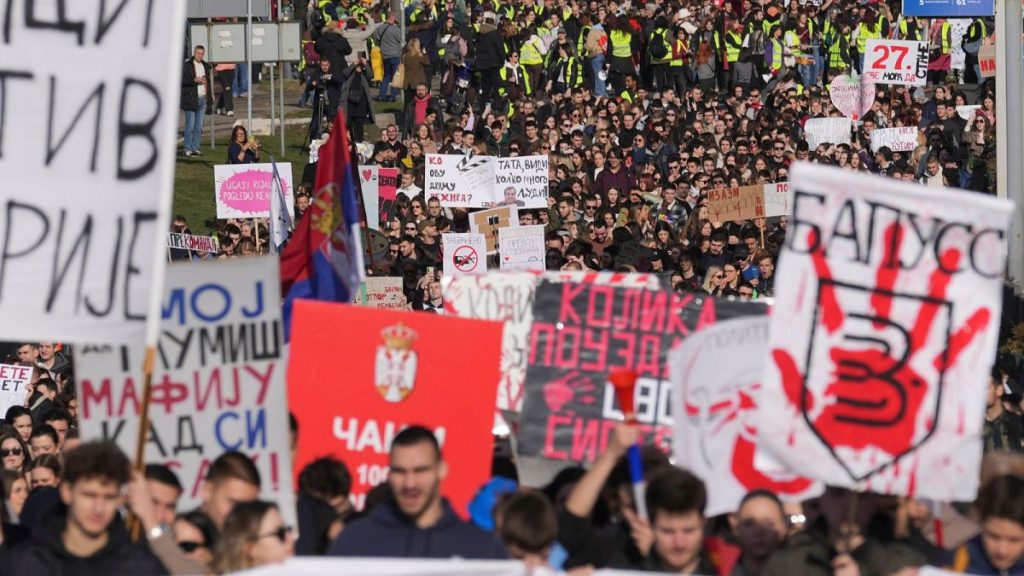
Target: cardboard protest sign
(901, 139)
(205, 244)
(14, 381)
(716, 376)
(521, 181)
(218, 384)
(401, 368)
(380, 189)
(383, 292)
(739, 203)
(987, 60)
(508, 298)
(460, 181)
(489, 222)
(881, 353)
(580, 334)
(244, 190)
(896, 62)
(464, 254)
(88, 152)
(851, 95)
(827, 130)
(776, 199)
(522, 248)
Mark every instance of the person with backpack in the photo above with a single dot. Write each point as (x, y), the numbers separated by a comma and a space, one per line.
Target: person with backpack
(659, 53)
(971, 43)
(389, 37)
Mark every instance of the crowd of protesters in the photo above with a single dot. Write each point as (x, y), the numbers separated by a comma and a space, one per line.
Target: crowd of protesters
(71, 507)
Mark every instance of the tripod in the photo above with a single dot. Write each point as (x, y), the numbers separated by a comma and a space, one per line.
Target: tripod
(319, 119)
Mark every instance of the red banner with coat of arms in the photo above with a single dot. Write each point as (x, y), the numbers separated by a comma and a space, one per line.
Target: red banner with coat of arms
(357, 376)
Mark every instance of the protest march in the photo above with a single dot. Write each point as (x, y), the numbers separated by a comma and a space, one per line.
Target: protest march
(584, 287)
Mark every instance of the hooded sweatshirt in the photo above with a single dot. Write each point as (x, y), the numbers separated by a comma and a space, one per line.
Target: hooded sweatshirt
(387, 532)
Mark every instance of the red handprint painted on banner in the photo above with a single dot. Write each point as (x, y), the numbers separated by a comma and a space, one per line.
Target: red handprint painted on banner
(874, 390)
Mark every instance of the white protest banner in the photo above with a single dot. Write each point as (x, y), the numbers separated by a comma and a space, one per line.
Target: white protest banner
(521, 248)
(827, 130)
(508, 297)
(901, 139)
(243, 190)
(218, 384)
(521, 181)
(14, 380)
(881, 357)
(369, 185)
(957, 30)
(967, 112)
(776, 199)
(460, 181)
(464, 254)
(851, 95)
(312, 566)
(896, 62)
(383, 292)
(716, 376)
(205, 244)
(87, 153)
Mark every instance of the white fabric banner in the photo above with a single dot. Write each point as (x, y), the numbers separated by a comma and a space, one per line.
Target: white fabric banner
(219, 381)
(881, 351)
(716, 377)
(87, 148)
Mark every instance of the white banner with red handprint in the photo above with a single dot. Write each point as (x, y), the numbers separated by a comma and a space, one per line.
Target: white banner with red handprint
(884, 335)
(716, 376)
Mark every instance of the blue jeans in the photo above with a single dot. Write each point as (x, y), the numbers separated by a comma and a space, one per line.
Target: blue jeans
(390, 67)
(194, 126)
(241, 85)
(600, 86)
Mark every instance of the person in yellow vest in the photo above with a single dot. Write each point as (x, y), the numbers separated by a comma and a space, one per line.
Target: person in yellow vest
(773, 52)
(566, 72)
(678, 70)
(941, 49)
(622, 45)
(733, 43)
(868, 29)
(838, 45)
(629, 92)
(977, 32)
(515, 81)
(910, 29)
(531, 54)
(659, 53)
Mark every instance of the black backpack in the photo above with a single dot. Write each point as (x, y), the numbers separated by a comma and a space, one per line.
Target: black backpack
(658, 49)
(317, 20)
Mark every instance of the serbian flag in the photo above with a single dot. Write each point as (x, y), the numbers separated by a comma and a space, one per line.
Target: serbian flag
(324, 258)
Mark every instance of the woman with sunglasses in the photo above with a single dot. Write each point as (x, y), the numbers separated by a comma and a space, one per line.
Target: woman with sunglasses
(713, 279)
(195, 534)
(14, 454)
(254, 535)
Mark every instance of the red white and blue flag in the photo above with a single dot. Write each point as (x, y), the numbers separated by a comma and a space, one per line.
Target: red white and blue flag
(324, 258)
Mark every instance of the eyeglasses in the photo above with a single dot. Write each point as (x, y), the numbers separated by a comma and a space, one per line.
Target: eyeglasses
(189, 547)
(779, 149)
(10, 452)
(718, 276)
(589, 208)
(281, 534)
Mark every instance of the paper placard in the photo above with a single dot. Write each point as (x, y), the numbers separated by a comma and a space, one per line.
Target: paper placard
(522, 248)
(464, 254)
(243, 190)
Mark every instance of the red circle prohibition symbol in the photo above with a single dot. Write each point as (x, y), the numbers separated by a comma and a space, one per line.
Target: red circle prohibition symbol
(465, 259)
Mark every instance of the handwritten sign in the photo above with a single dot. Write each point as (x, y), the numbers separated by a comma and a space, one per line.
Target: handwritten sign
(219, 381)
(776, 199)
(521, 181)
(460, 181)
(827, 130)
(205, 244)
(896, 62)
(880, 365)
(739, 203)
(383, 292)
(87, 147)
(901, 139)
(522, 248)
(851, 95)
(14, 381)
(244, 190)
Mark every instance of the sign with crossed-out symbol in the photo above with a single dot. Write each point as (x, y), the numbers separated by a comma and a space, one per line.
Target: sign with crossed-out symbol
(465, 258)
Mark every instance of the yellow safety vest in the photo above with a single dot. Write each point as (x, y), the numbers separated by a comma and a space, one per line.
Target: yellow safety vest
(681, 48)
(529, 54)
(864, 35)
(732, 50)
(945, 32)
(793, 41)
(622, 44)
(776, 54)
(918, 34)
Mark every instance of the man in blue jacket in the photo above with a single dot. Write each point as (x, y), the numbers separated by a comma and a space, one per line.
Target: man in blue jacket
(416, 522)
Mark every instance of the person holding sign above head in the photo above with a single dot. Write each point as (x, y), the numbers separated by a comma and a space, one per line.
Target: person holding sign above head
(242, 150)
(196, 98)
(416, 522)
